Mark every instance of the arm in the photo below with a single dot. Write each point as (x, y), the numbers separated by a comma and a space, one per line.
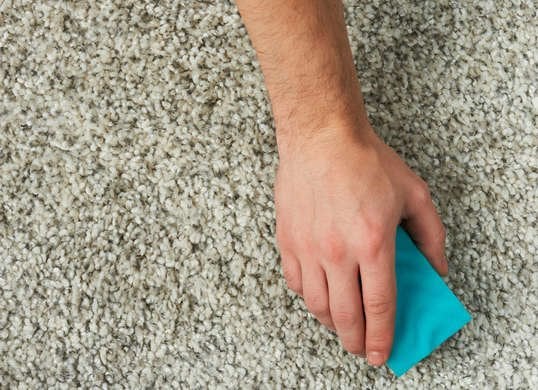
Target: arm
(340, 192)
(304, 53)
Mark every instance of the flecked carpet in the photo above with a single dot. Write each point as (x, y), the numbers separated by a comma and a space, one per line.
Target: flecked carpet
(137, 158)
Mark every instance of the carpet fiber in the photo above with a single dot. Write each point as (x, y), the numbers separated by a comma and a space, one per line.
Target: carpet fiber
(137, 158)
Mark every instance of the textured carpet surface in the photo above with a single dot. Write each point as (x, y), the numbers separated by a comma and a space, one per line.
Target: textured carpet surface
(137, 158)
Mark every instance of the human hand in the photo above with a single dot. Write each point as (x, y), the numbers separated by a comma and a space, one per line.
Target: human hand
(340, 194)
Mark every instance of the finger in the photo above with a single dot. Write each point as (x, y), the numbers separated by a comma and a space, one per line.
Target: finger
(291, 268)
(379, 296)
(346, 306)
(315, 293)
(425, 227)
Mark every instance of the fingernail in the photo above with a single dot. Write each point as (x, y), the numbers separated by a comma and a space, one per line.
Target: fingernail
(375, 358)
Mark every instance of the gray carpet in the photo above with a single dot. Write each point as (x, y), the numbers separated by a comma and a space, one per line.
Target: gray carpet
(137, 158)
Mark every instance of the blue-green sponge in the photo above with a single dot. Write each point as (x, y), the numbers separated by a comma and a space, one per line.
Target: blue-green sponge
(427, 312)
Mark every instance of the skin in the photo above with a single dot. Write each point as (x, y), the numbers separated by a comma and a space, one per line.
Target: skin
(340, 191)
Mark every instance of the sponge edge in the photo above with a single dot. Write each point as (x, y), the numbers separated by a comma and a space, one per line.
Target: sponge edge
(427, 312)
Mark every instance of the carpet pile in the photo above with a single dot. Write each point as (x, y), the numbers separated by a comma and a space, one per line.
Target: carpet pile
(137, 159)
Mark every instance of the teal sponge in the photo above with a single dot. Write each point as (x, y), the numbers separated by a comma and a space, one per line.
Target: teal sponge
(427, 312)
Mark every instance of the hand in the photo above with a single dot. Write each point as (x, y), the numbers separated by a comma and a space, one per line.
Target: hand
(339, 196)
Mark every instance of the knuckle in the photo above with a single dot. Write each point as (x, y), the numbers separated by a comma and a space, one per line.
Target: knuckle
(295, 287)
(317, 305)
(421, 192)
(291, 272)
(288, 268)
(293, 281)
(333, 248)
(373, 223)
(306, 244)
(375, 238)
(345, 319)
(378, 305)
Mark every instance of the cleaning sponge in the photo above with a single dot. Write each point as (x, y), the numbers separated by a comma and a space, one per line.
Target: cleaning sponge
(427, 312)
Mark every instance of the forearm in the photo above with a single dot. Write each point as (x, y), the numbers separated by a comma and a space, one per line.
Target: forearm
(304, 53)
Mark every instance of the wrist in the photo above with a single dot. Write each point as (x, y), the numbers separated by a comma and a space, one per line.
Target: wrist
(319, 100)
(336, 113)
(314, 140)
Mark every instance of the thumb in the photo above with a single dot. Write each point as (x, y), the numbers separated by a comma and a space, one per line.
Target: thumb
(425, 227)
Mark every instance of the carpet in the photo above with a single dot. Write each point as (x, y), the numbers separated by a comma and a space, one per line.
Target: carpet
(137, 159)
